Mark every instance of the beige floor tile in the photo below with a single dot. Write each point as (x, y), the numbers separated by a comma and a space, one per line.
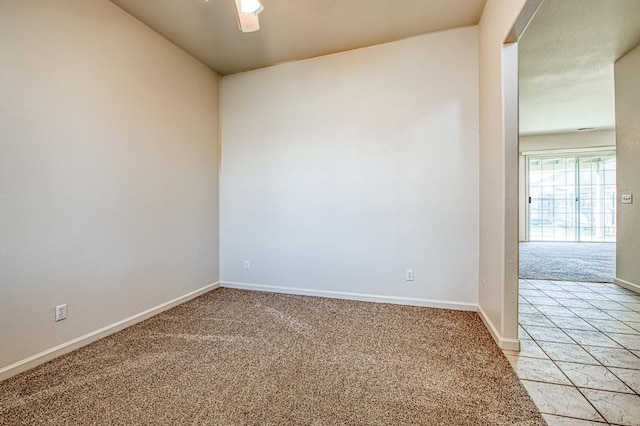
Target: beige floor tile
(574, 303)
(591, 296)
(530, 349)
(594, 377)
(547, 334)
(523, 285)
(632, 305)
(571, 288)
(522, 334)
(558, 311)
(601, 318)
(558, 294)
(544, 283)
(629, 341)
(587, 284)
(568, 421)
(630, 377)
(531, 292)
(566, 284)
(535, 319)
(593, 338)
(611, 306)
(574, 323)
(591, 313)
(625, 315)
(567, 352)
(634, 325)
(537, 369)
(614, 326)
(539, 301)
(527, 308)
(582, 288)
(560, 400)
(618, 408)
(624, 298)
(612, 357)
(607, 288)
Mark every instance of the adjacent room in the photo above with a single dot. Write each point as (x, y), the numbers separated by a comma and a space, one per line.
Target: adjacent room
(568, 196)
(578, 329)
(283, 212)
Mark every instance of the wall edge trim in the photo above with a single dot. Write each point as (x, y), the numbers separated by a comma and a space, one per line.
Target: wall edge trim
(362, 297)
(71, 345)
(502, 342)
(627, 284)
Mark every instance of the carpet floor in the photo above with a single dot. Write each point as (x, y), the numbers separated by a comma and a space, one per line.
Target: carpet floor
(587, 262)
(233, 357)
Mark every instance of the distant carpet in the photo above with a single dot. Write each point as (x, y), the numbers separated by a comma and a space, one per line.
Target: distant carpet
(594, 262)
(233, 357)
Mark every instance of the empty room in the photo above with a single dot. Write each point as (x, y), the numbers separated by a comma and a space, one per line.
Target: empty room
(272, 212)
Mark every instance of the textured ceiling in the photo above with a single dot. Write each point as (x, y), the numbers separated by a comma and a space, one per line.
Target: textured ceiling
(566, 63)
(294, 29)
(566, 54)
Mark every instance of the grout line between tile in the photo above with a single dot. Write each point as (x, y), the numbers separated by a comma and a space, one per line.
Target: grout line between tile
(545, 316)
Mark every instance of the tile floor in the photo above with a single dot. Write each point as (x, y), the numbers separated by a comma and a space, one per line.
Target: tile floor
(580, 354)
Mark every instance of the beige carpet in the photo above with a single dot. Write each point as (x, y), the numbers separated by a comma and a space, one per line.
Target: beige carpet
(235, 357)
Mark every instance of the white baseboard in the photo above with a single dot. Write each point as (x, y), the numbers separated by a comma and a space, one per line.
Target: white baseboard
(627, 284)
(444, 304)
(502, 342)
(56, 351)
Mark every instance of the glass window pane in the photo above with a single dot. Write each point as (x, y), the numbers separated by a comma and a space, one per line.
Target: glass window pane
(572, 197)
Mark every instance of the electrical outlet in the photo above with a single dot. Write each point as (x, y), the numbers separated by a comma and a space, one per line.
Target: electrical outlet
(484, 285)
(61, 312)
(247, 265)
(409, 276)
(627, 199)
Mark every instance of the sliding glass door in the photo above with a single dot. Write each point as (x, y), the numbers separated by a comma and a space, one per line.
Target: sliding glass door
(572, 198)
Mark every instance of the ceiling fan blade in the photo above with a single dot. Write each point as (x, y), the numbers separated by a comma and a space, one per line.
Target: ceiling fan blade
(248, 23)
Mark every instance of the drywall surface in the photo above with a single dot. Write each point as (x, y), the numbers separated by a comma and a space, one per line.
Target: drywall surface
(108, 172)
(569, 140)
(339, 173)
(628, 170)
(498, 172)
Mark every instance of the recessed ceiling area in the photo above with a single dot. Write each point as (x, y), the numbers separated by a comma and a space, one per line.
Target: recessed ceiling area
(566, 63)
(295, 29)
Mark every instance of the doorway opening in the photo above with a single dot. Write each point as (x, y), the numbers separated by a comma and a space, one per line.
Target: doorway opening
(569, 215)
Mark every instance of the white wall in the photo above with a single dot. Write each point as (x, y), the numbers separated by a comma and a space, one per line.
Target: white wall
(108, 173)
(572, 140)
(627, 80)
(341, 172)
(560, 143)
(499, 171)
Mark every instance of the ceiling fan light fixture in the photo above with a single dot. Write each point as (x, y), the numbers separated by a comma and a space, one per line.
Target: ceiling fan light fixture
(250, 7)
(247, 15)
